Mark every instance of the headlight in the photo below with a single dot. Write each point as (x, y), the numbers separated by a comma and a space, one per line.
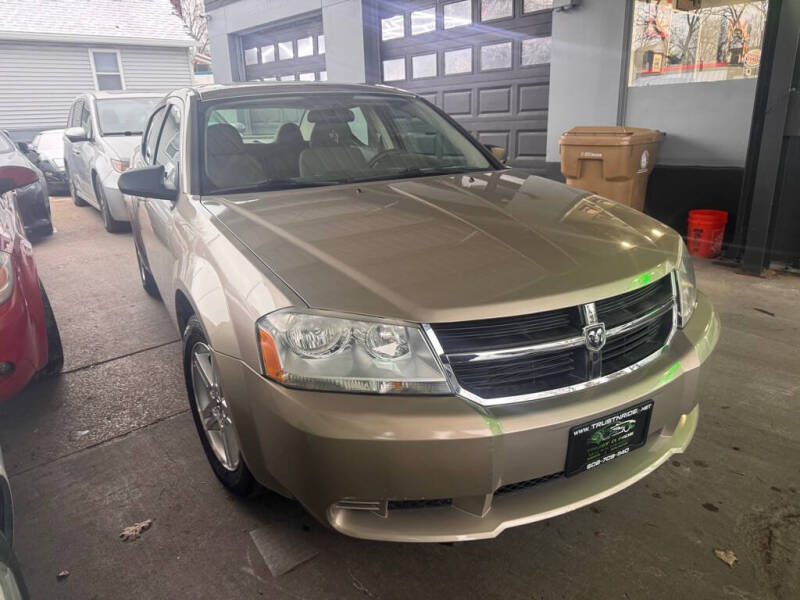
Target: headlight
(318, 351)
(6, 277)
(120, 166)
(687, 288)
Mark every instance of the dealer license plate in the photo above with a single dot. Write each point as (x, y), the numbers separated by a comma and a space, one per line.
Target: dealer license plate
(600, 441)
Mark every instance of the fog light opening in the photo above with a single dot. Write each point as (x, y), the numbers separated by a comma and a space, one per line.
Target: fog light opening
(6, 368)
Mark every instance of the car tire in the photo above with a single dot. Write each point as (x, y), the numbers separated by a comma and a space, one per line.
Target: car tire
(234, 475)
(148, 283)
(76, 200)
(55, 351)
(109, 222)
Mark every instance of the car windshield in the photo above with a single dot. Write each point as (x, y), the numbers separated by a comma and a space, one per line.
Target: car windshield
(281, 142)
(51, 143)
(123, 116)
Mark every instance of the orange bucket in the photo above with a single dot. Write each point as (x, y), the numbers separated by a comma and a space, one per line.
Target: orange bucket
(705, 232)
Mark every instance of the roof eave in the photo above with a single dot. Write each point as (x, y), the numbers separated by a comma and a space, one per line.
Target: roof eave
(24, 36)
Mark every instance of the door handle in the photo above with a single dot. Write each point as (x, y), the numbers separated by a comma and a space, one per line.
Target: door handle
(76, 151)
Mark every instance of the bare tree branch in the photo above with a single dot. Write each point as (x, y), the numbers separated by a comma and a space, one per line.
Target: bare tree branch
(193, 14)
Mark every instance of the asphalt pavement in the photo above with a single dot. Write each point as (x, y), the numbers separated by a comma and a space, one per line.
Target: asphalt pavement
(111, 443)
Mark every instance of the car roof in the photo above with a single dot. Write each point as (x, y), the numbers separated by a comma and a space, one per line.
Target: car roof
(238, 90)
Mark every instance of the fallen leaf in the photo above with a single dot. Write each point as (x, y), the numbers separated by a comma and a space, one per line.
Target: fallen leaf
(62, 574)
(134, 531)
(726, 556)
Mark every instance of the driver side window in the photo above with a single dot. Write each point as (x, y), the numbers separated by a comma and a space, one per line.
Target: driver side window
(86, 121)
(168, 152)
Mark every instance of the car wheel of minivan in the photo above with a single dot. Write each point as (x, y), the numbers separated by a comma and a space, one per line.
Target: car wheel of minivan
(148, 283)
(109, 222)
(211, 412)
(76, 200)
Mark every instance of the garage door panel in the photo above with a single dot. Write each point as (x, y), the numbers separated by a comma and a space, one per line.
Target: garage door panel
(457, 102)
(506, 106)
(533, 97)
(494, 100)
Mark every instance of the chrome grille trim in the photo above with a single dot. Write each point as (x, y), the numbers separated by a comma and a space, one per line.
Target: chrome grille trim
(590, 314)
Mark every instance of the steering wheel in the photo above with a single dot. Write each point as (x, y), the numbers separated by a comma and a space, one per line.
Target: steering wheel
(383, 155)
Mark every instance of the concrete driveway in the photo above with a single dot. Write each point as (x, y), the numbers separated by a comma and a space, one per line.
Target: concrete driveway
(111, 442)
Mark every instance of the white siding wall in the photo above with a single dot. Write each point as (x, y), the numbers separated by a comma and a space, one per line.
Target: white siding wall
(39, 81)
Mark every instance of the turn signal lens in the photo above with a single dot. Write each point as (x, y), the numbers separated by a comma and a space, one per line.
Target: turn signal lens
(269, 355)
(687, 287)
(6, 277)
(120, 165)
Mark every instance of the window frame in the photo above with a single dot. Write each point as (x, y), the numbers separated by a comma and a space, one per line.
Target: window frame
(471, 15)
(498, 19)
(472, 69)
(511, 62)
(120, 69)
(145, 156)
(170, 105)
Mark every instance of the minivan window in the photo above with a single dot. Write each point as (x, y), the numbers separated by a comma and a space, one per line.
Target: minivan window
(327, 139)
(123, 116)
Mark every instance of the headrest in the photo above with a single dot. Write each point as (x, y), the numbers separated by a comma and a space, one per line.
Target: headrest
(290, 135)
(331, 115)
(222, 139)
(330, 134)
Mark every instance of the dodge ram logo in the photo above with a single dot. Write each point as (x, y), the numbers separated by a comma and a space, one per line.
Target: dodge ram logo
(594, 336)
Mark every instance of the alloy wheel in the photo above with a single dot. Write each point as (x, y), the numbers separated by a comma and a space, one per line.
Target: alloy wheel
(213, 408)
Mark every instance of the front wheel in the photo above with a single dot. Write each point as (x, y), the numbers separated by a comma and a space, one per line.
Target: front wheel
(211, 412)
(109, 222)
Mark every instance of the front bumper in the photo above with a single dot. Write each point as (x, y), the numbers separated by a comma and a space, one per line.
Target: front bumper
(430, 468)
(115, 198)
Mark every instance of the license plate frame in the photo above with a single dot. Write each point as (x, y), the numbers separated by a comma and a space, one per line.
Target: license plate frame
(601, 440)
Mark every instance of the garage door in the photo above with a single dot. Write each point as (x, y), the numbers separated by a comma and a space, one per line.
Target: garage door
(293, 52)
(485, 62)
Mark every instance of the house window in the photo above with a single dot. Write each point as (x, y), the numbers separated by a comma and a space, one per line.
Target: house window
(323, 76)
(423, 21)
(321, 44)
(423, 65)
(305, 47)
(285, 50)
(267, 53)
(251, 56)
(457, 14)
(107, 70)
(458, 61)
(529, 6)
(496, 56)
(394, 69)
(307, 76)
(496, 9)
(535, 51)
(392, 28)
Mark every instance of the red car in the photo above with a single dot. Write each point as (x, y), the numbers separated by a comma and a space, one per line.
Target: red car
(30, 344)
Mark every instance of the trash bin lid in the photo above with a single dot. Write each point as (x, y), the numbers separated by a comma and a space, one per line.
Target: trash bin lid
(605, 135)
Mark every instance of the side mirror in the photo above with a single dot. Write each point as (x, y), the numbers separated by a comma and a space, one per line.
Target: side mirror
(147, 182)
(498, 152)
(12, 178)
(76, 134)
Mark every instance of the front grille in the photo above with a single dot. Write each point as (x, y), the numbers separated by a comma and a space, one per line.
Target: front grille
(537, 353)
(511, 332)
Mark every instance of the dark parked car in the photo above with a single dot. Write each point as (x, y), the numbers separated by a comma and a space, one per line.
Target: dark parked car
(30, 344)
(33, 201)
(46, 151)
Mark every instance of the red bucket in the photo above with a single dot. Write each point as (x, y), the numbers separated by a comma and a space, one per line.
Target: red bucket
(706, 231)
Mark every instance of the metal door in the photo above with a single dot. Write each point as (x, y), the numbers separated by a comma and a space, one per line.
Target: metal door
(485, 62)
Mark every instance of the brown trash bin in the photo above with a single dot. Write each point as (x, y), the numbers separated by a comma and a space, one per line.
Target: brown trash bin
(614, 162)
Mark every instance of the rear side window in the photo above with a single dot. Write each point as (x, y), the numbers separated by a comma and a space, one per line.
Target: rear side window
(75, 114)
(151, 135)
(169, 147)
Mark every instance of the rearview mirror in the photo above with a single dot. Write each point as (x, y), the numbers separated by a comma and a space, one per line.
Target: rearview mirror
(76, 134)
(12, 178)
(498, 152)
(147, 182)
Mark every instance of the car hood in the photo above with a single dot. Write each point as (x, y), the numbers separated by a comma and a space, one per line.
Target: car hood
(449, 248)
(122, 145)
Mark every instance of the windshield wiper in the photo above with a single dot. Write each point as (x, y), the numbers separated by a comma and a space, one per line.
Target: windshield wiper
(410, 172)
